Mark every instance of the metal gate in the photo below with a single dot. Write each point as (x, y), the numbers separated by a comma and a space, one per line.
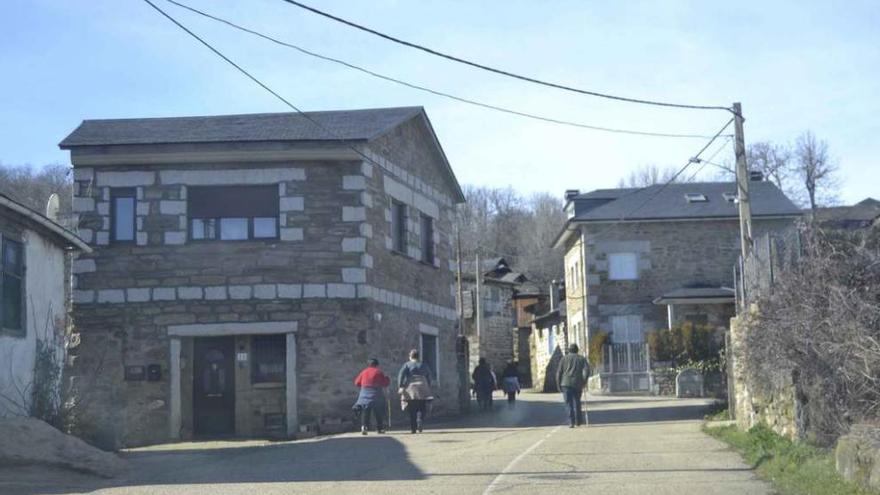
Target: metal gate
(627, 367)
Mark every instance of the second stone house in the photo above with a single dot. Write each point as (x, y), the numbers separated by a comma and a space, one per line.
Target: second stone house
(643, 259)
(245, 267)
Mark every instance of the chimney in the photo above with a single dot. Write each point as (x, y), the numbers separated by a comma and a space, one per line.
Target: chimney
(756, 175)
(571, 193)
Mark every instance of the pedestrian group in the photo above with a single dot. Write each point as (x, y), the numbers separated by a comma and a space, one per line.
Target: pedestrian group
(415, 381)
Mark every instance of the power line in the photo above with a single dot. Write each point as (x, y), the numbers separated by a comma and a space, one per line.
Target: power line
(500, 71)
(708, 161)
(260, 83)
(426, 89)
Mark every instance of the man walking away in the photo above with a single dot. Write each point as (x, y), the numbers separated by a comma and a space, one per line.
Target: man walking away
(371, 398)
(572, 377)
(414, 387)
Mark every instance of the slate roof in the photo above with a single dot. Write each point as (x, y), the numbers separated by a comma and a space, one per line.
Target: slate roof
(719, 293)
(668, 203)
(348, 125)
(865, 211)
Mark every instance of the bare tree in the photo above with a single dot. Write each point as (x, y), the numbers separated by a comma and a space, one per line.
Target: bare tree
(648, 175)
(772, 160)
(815, 170)
(32, 187)
(499, 222)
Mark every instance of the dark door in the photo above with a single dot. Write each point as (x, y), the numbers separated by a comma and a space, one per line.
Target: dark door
(214, 386)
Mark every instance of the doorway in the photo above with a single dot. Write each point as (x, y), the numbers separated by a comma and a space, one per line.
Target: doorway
(214, 386)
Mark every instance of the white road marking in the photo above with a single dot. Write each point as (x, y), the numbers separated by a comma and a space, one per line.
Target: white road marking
(497, 481)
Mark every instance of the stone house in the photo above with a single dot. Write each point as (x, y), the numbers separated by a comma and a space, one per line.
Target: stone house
(490, 323)
(526, 296)
(35, 294)
(245, 267)
(548, 338)
(863, 215)
(643, 259)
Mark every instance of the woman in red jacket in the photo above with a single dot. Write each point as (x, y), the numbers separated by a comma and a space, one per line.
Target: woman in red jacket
(372, 397)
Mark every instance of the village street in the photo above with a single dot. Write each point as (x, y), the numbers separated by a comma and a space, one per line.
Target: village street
(634, 445)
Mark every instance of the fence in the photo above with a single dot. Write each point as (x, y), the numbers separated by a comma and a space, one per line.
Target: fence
(627, 357)
(771, 253)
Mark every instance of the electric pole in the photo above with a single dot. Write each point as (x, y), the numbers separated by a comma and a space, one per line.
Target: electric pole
(742, 182)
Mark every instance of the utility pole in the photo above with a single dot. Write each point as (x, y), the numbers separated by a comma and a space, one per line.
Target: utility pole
(478, 302)
(742, 182)
(458, 286)
(462, 350)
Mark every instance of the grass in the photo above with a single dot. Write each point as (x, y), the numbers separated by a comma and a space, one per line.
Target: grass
(794, 468)
(717, 412)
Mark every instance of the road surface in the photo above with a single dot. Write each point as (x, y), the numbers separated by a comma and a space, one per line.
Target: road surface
(634, 445)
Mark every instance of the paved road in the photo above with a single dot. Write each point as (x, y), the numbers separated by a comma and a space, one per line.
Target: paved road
(635, 445)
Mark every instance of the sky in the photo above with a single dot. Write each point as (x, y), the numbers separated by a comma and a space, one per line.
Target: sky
(795, 66)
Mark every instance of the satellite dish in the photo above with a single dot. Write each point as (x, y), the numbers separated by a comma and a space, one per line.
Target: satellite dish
(53, 206)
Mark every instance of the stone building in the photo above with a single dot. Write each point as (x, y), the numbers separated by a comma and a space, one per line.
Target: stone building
(548, 339)
(526, 296)
(490, 331)
(245, 267)
(643, 259)
(34, 295)
(863, 215)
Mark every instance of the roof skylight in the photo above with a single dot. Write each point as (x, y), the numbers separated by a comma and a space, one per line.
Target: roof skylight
(695, 197)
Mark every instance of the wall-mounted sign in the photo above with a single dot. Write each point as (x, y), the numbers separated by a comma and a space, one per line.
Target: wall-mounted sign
(241, 357)
(135, 373)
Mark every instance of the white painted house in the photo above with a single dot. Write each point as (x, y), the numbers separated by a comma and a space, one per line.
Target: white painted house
(34, 290)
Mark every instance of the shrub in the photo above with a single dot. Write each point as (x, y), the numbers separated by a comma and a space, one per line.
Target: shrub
(597, 344)
(684, 344)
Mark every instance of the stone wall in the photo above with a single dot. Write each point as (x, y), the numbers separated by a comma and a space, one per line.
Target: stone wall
(496, 339)
(772, 403)
(545, 358)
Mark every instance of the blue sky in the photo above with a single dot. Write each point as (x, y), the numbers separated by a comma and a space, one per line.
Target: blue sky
(794, 66)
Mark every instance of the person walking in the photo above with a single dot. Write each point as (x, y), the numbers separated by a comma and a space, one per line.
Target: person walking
(484, 384)
(371, 399)
(414, 386)
(510, 383)
(571, 376)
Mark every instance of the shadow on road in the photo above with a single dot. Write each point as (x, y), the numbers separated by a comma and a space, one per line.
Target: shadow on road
(330, 459)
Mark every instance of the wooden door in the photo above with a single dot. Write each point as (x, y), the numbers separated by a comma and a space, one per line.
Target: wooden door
(214, 386)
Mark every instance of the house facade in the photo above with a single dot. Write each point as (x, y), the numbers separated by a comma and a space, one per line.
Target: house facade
(549, 338)
(245, 268)
(637, 260)
(35, 294)
(490, 322)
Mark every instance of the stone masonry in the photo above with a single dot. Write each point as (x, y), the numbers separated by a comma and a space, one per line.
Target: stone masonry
(329, 280)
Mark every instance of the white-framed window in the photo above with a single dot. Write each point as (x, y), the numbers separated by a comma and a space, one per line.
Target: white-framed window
(398, 226)
(429, 348)
(623, 266)
(626, 328)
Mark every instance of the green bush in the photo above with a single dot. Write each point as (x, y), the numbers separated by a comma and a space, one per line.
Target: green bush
(684, 344)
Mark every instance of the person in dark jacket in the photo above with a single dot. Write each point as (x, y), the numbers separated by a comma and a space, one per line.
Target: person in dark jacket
(414, 387)
(572, 375)
(510, 382)
(484, 384)
(371, 398)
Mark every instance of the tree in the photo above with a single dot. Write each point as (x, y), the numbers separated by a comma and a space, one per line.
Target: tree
(32, 188)
(648, 175)
(815, 170)
(499, 222)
